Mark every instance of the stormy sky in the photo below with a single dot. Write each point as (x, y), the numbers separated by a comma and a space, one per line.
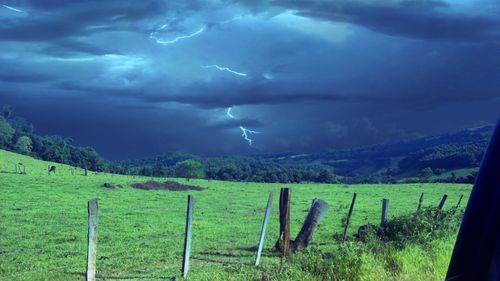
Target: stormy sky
(137, 78)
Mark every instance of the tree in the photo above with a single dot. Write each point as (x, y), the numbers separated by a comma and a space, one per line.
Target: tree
(6, 133)
(426, 174)
(326, 176)
(24, 144)
(6, 111)
(189, 169)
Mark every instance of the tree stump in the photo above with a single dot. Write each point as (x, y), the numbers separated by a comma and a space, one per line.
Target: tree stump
(316, 213)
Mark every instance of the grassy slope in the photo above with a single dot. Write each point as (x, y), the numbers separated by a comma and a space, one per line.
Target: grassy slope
(43, 225)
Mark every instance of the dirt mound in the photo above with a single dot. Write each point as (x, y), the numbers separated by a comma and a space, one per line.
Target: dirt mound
(108, 185)
(168, 185)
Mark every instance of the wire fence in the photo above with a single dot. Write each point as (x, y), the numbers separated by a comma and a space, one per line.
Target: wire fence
(75, 221)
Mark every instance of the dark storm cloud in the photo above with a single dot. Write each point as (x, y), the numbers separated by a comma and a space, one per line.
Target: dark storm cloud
(50, 21)
(13, 77)
(71, 47)
(327, 74)
(428, 20)
(236, 123)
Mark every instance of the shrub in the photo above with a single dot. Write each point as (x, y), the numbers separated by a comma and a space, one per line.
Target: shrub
(420, 227)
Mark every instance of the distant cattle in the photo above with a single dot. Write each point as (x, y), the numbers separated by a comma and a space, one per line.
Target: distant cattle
(22, 168)
(52, 169)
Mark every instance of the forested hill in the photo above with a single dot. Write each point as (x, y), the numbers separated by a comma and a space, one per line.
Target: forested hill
(459, 150)
(424, 159)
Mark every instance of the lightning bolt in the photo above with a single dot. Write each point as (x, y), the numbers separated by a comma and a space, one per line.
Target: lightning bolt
(12, 9)
(223, 68)
(153, 35)
(228, 113)
(244, 131)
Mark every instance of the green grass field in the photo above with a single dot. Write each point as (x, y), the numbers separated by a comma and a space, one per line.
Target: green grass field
(43, 226)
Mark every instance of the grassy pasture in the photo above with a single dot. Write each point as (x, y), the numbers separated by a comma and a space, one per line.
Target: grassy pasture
(43, 226)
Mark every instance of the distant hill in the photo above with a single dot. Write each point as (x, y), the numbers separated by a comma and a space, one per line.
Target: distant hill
(447, 152)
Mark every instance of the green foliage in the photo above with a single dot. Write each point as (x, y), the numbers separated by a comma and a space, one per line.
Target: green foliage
(6, 111)
(24, 144)
(426, 174)
(18, 135)
(6, 133)
(189, 169)
(420, 227)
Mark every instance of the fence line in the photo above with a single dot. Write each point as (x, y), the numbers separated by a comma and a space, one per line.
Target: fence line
(93, 210)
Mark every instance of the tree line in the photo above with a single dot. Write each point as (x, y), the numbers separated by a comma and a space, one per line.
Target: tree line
(18, 135)
(363, 165)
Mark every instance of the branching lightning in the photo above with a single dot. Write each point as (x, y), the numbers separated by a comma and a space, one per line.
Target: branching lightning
(153, 35)
(12, 9)
(244, 131)
(223, 68)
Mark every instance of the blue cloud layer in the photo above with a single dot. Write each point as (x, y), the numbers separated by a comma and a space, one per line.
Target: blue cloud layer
(310, 75)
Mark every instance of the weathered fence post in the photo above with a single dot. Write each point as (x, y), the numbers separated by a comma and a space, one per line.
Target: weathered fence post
(420, 201)
(187, 236)
(385, 209)
(348, 220)
(316, 213)
(443, 200)
(283, 243)
(92, 240)
(459, 201)
(264, 227)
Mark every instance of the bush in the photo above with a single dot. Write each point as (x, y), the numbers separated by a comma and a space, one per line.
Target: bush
(420, 227)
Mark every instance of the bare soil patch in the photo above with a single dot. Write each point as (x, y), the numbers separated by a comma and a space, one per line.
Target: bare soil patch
(168, 185)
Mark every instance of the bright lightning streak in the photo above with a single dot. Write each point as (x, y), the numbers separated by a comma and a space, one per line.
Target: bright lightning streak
(223, 68)
(228, 112)
(245, 132)
(12, 9)
(176, 39)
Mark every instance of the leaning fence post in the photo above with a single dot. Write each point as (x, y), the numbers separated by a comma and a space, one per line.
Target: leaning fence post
(283, 242)
(264, 227)
(443, 200)
(385, 207)
(348, 220)
(459, 201)
(187, 236)
(420, 201)
(92, 240)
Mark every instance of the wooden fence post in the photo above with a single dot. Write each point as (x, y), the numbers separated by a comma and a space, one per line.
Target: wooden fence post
(385, 207)
(443, 200)
(264, 227)
(348, 220)
(459, 201)
(187, 236)
(92, 240)
(283, 243)
(420, 201)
